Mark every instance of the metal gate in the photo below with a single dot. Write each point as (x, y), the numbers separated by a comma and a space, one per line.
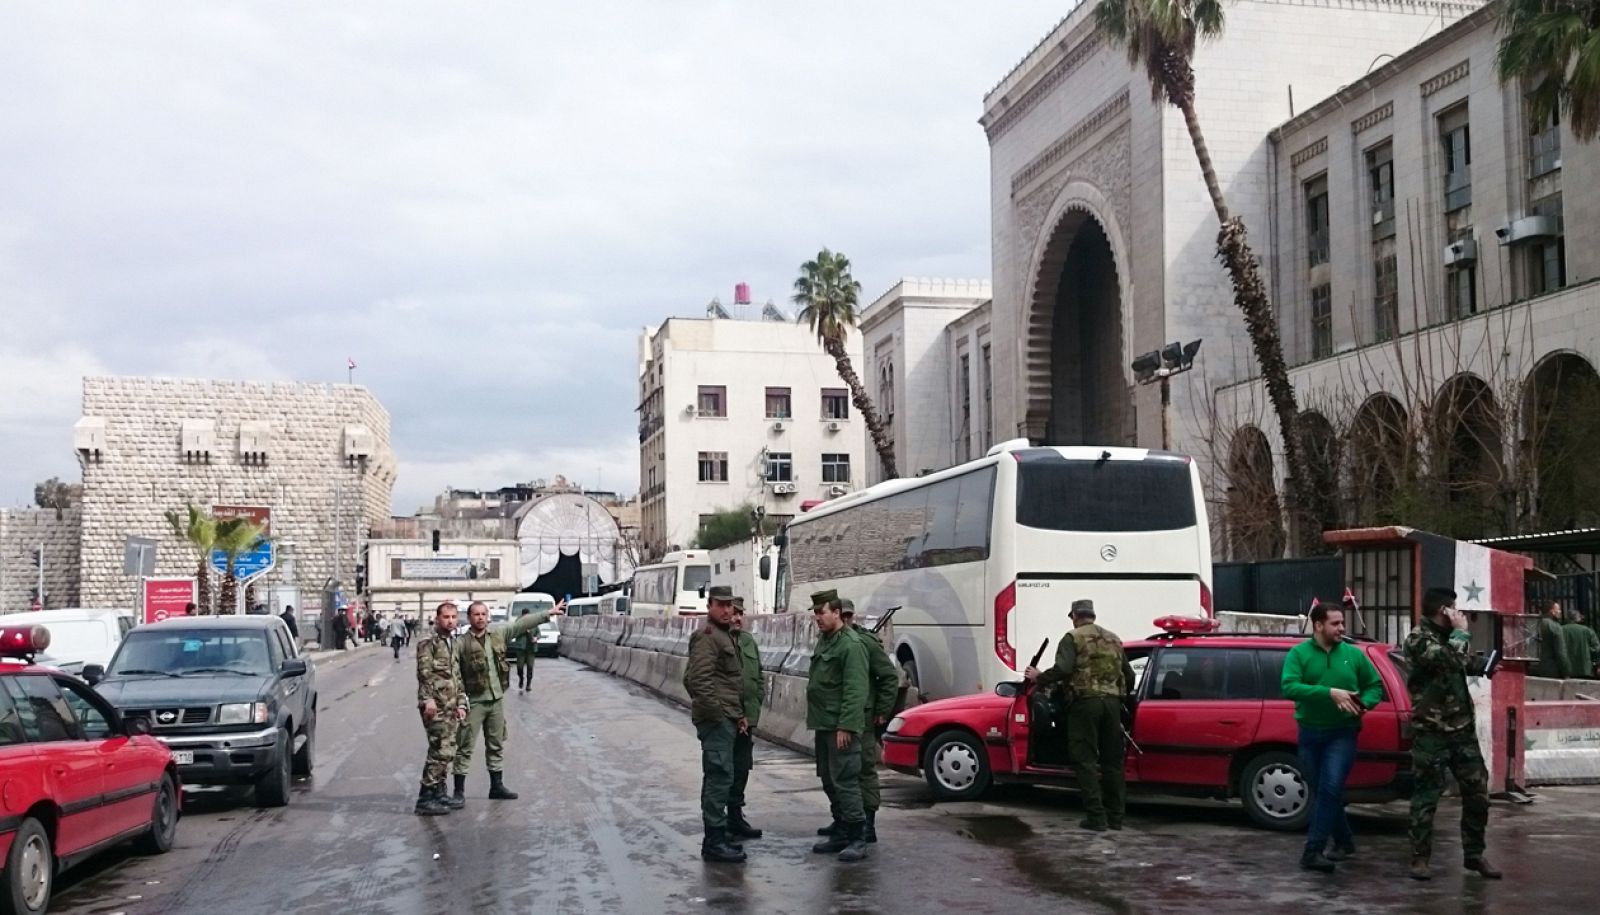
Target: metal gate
(1383, 582)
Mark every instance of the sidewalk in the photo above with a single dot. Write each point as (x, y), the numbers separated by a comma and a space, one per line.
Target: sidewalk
(318, 654)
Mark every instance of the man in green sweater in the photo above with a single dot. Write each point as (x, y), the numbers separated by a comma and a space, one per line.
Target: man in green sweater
(1552, 661)
(1332, 683)
(1583, 646)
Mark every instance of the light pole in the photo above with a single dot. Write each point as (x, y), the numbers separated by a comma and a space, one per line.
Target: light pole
(1160, 365)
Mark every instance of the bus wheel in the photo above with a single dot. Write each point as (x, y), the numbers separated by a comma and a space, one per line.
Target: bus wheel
(914, 694)
(956, 767)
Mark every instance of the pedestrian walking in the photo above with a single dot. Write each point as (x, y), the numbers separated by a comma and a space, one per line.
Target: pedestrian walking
(1090, 661)
(341, 629)
(1333, 684)
(521, 648)
(396, 634)
(1444, 733)
(411, 630)
(714, 680)
(288, 620)
(486, 676)
(1583, 645)
(883, 689)
(1552, 642)
(752, 691)
(443, 706)
(837, 692)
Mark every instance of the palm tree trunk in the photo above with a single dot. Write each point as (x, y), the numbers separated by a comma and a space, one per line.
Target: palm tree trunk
(869, 413)
(202, 577)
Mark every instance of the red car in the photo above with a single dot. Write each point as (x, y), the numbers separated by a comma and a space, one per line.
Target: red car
(1208, 719)
(75, 778)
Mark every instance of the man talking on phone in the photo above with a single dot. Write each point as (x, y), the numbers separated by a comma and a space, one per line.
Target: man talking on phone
(1446, 733)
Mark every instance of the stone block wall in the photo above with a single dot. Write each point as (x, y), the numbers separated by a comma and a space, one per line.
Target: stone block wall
(22, 530)
(320, 502)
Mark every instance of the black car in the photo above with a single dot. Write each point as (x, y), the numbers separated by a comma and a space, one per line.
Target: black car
(230, 695)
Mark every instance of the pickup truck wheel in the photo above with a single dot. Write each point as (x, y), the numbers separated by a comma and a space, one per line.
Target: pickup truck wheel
(303, 757)
(956, 767)
(1275, 792)
(163, 819)
(272, 789)
(30, 870)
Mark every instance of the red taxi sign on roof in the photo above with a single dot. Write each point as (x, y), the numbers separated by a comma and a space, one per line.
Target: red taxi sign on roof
(1177, 625)
(23, 641)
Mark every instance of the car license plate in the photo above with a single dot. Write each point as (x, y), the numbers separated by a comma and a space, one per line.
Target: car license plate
(183, 757)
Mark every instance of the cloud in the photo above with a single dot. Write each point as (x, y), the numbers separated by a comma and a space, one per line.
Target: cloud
(482, 208)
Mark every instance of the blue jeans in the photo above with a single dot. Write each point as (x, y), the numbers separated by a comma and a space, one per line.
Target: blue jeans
(1326, 756)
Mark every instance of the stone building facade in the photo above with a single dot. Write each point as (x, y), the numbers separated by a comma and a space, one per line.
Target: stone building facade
(317, 455)
(22, 532)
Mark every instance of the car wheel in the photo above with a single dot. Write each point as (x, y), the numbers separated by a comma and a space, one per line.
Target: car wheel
(956, 767)
(30, 871)
(163, 819)
(303, 757)
(1275, 792)
(272, 789)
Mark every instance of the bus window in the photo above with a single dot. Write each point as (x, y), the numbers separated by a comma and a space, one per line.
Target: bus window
(1056, 494)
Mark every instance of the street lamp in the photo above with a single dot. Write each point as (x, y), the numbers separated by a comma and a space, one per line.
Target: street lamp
(1160, 365)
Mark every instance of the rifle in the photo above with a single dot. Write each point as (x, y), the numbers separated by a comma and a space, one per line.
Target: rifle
(1035, 662)
(883, 620)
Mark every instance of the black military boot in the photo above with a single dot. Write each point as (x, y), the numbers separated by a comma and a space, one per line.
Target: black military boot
(870, 830)
(498, 790)
(739, 827)
(715, 848)
(832, 829)
(459, 799)
(429, 804)
(1481, 866)
(856, 847)
(838, 841)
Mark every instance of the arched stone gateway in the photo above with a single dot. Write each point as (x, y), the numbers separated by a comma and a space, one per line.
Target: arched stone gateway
(1078, 388)
(1561, 429)
(1255, 518)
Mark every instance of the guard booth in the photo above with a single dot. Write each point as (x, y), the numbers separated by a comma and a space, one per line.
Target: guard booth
(1387, 569)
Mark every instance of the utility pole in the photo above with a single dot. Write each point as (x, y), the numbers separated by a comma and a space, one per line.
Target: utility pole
(39, 561)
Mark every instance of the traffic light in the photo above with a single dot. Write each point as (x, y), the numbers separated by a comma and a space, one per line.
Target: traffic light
(38, 556)
(436, 541)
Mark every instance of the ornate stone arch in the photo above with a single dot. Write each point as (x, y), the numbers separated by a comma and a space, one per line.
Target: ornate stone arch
(1561, 440)
(1255, 516)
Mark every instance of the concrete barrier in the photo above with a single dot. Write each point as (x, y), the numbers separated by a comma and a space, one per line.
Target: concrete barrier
(1562, 741)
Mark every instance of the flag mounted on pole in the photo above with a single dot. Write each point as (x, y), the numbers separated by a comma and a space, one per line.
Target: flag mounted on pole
(350, 373)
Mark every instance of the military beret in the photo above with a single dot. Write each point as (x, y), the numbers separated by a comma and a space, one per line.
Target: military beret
(1083, 608)
(720, 592)
(818, 598)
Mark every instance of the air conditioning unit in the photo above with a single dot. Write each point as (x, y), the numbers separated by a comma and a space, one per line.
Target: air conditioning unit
(783, 489)
(778, 426)
(838, 489)
(690, 410)
(1526, 229)
(1461, 252)
(835, 426)
(1377, 217)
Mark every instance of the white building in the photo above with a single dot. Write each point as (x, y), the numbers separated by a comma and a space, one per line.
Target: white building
(909, 361)
(734, 412)
(409, 577)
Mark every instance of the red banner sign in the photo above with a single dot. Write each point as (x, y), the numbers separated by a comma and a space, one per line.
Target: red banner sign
(256, 513)
(165, 598)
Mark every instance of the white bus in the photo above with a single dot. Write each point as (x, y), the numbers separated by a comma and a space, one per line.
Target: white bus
(532, 601)
(985, 559)
(672, 586)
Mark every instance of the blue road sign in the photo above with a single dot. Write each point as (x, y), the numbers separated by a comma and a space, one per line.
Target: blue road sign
(248, 565)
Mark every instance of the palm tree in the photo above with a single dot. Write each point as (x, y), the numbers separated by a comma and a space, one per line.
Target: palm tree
(236, 537)
(1161, 36)
(828, 296)
(1553, 48)
(198, 529)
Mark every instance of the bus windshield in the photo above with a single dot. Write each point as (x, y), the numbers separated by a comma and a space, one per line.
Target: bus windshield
(1057, 494)
(696, 577)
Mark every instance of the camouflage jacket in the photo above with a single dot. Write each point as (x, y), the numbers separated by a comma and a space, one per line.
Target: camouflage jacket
(1440, 703)
(714, 676)
(437, 676)
(474, 654)
(883, 677)
(1091, 661)
(755, 683)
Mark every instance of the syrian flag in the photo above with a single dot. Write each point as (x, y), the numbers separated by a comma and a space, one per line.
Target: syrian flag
(1487, 579)
(351, 362)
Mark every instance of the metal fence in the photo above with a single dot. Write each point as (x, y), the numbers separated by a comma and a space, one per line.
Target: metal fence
(1282, 586)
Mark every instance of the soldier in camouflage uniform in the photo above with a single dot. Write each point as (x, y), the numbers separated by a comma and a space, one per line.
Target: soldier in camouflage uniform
(883, 690)
(1445, 733)
(1090, 660)
(443, 705)
(714, 680)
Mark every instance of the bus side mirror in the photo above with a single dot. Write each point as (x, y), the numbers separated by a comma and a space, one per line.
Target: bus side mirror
(765, 567)
(702, 592)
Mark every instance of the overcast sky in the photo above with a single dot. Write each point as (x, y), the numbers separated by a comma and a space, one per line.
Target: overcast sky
(480, 203)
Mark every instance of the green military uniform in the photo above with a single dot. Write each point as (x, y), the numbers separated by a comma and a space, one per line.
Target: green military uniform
(753, 692)
(1583, 649)
(1552, 650)
(883, 689)
(522, 647)
(439, 679)
(486, 675)
(1091, 662)
(1445, 737)
(838, 691)
(714, 680)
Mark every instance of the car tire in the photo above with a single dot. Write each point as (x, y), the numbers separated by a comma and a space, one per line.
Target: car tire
(956, 767)
(163, 819)
(272, 789)
(1275, 792)
(304, 758)
(30, 871)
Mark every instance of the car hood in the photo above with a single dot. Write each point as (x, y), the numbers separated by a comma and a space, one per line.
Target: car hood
(944, 707)
(197, 689)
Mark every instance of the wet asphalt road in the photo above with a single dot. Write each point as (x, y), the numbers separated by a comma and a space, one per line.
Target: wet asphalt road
(609, 822)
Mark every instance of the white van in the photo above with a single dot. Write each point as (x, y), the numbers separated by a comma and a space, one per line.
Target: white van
(78, 635)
